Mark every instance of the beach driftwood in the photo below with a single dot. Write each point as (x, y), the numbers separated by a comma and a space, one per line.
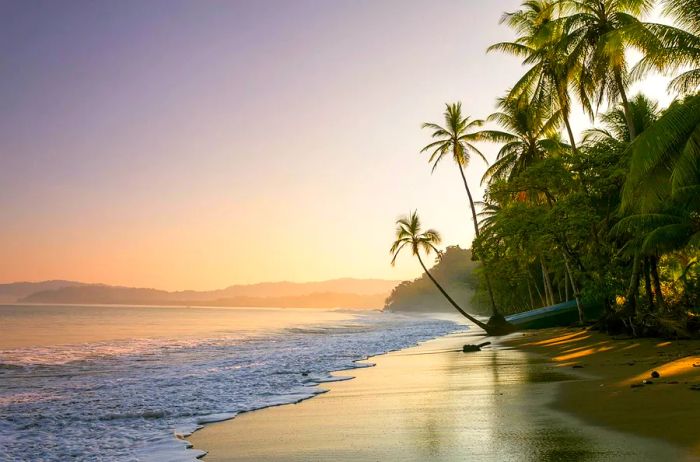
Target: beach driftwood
(471, 348)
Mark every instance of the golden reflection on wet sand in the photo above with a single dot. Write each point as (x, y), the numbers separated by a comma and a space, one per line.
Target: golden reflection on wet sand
(617, 388)
(430, 402)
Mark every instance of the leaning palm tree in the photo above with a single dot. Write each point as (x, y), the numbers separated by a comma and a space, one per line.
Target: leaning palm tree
(408, 234)
(601, 32)
(457, 139)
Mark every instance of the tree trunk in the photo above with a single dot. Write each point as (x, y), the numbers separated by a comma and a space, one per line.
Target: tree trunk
(573, 287)
(572, 139)
(633, 288)
(471, 201)
(529, 292)
(549, 292)
(494, 308)
(654, 267)
(449, 299)
(647, 281)
(625, 106)
(561, 299)
(564, 108)
(539, 293)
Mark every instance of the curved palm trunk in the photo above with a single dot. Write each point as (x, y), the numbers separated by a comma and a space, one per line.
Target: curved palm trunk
(449, 299)
(494, 308)
(471, 201)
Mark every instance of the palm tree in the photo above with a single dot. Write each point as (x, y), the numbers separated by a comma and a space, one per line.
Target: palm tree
(457, 139)
(408, 233)
(686, 13)
(544, 44)
(676, 48)
(667, 156)
(643, 113)
(529, 134)
(601, 32)
(672, 229)
(669, 149)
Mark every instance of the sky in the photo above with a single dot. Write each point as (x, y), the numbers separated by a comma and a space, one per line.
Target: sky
(197, 144)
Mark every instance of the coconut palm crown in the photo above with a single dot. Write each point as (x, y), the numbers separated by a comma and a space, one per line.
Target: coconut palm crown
(456, 138)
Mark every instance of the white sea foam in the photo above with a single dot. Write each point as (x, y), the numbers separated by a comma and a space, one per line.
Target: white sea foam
(138, 400)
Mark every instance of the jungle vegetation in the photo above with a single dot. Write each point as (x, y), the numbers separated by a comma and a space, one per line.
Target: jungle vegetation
(609, 217)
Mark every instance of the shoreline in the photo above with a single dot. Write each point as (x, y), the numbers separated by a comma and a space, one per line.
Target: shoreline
(315, 387)
(433, 402)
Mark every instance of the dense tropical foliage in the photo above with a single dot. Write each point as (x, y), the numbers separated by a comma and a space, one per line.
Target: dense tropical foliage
(611, 217)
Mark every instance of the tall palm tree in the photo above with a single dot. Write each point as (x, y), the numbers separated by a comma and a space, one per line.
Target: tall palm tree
(529, 134)
(601, 32)
(544, 45)
(456, 139)
(408, 234)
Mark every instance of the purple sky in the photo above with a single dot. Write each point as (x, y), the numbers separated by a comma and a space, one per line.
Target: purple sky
(201, 143)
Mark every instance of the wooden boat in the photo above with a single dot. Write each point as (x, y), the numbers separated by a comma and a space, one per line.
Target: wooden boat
(559, 315)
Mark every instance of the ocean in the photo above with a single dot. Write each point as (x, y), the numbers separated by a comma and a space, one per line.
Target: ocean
(129, 383)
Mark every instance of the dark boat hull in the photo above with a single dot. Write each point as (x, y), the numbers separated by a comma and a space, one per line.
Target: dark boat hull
(562, 314)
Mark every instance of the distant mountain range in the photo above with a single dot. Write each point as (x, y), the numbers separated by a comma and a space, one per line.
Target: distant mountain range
(336, 293)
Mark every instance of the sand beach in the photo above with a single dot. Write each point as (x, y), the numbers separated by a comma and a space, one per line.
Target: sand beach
(519, 399)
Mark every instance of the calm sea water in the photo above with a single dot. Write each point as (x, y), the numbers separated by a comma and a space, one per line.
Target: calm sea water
(120, 383)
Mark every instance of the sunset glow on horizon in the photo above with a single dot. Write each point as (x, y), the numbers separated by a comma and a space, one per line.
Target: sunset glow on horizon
(194, 145)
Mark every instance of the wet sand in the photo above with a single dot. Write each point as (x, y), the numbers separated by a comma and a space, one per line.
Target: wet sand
(614, 369)
(432, 402)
